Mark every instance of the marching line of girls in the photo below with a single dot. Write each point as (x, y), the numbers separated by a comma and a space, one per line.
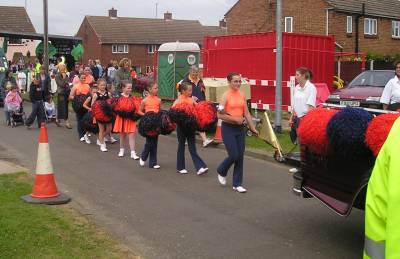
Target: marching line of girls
(232, 111)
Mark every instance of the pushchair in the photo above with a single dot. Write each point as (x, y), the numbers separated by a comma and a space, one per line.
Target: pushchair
(50, 113)
(17, 116)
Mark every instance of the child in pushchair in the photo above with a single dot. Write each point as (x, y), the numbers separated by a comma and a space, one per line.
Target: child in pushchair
(50, 110)
(13, 104)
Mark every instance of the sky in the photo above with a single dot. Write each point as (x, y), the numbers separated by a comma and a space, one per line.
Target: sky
(65, 16)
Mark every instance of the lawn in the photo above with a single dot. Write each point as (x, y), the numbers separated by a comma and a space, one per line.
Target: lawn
(39, 231)
(284, 141)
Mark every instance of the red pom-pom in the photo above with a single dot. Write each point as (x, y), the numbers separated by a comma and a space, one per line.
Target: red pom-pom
(185, 116)
(206, 116)
(102, 111)
(125, 107)
(312, 130)
(378, 131)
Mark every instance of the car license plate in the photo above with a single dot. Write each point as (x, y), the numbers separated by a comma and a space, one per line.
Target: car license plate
(350, 103)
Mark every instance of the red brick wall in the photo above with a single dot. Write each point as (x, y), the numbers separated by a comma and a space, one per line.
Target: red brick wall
(94, 50)
(309, 16)
(137, 54)
(90, 42)
(383, 43)
(249, 16)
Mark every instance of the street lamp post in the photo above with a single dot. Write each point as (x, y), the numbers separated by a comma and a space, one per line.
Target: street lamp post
(45, 37)
(278, 88)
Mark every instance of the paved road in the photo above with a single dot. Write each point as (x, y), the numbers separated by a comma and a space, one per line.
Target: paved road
(162, 214)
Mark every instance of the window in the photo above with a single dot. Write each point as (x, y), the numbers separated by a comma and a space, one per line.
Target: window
(370, 26)
(349, 24)
(151, 48)
(13, 41)
(396, 29)
(288, 24)
(120, 48)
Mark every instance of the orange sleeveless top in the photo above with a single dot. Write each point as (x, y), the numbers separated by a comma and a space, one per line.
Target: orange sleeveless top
(82, 89)
(185, 99)
(235, 103)
(152, 104)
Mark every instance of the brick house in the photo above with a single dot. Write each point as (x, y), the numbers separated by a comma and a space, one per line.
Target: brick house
(113, 38)
(369, 26)
(15, 19)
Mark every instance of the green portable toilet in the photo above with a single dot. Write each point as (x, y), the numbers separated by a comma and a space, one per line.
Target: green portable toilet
(174, 61)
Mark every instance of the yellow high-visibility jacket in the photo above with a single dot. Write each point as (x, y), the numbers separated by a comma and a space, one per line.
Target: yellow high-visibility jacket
(382, 209)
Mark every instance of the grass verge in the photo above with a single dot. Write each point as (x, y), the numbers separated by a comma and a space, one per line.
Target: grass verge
(258, 144)
(39, 231)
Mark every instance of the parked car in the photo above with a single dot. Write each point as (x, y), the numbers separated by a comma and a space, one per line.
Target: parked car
(364, 91)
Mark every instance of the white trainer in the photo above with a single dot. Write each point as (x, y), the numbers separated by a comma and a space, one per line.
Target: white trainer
(239, 189)
(183, 171)
(207, 142)
(82, 139)
(156, 167)
(202, 171)
(222, 180)
(113, 140)
(103, 148)
(293, 170)
(87, 139)
(141, 162)
(121, 152)
(134, 156)
(98, 142)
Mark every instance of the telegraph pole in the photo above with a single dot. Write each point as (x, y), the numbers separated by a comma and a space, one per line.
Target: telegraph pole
(278, 88)
(45, 37)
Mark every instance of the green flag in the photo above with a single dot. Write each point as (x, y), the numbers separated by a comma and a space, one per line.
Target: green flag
(40, 49)
(77, 52)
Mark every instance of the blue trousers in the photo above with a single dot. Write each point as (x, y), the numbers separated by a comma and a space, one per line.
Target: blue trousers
(150, 149)
(191, 140)
(79, 122)
(233, 137)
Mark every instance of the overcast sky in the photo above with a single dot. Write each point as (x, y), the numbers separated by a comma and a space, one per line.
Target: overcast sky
(65, 16)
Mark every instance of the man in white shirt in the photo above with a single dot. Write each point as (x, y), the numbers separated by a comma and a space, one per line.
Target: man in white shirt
(391, 94)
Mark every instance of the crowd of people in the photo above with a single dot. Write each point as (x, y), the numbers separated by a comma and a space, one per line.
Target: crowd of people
(96, 84)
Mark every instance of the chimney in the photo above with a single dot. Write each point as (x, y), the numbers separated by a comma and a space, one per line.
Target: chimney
(112, 13)
(222, 23)
(168, 16)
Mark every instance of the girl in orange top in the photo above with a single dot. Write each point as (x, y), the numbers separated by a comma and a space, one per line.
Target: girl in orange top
(150, 104)
(233, 112)
(183, 136)
(80, 89)
(126, 127)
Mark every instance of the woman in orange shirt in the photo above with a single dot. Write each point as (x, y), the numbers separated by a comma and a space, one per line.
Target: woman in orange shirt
(80, 89)
(233, 112)
(150, 104)
(190, 137)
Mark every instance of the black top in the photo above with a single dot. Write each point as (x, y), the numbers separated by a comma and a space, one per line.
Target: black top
(38, 93)
(103, 97)
(198, 89)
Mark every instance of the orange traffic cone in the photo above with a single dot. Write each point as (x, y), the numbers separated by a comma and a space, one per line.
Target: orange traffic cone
(45, 188)
(218, 133)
